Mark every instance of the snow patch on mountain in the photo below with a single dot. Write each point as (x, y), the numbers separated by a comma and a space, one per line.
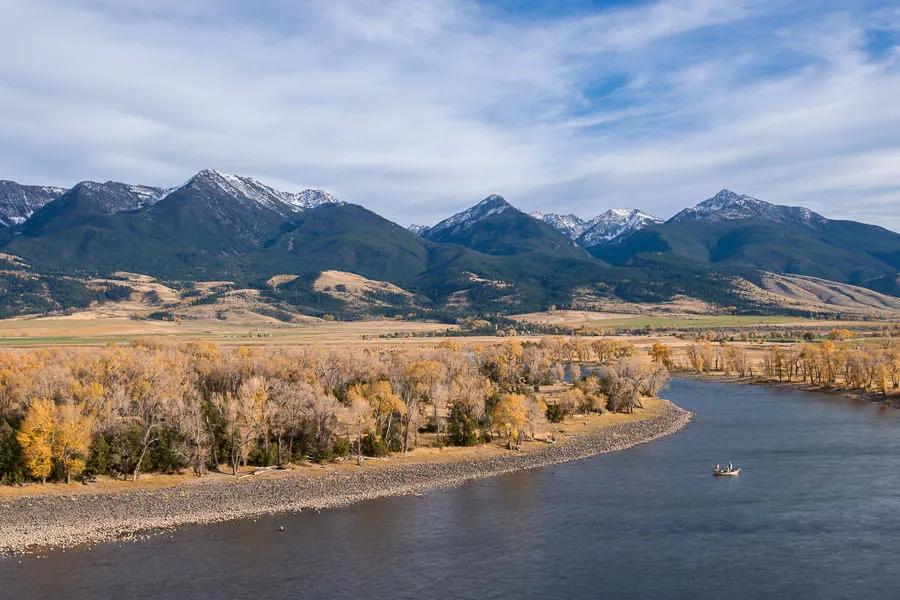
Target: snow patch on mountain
(570, 226)
(492, 205)
(18, 202)
(615, 224)
(730, 206)
(254, 192)
(112, 196)
(311, 199)
(147, 194)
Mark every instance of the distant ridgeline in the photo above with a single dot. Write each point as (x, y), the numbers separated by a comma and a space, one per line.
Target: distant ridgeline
(489, 259)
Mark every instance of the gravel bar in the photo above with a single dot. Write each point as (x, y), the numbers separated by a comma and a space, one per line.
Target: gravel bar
(48, 522)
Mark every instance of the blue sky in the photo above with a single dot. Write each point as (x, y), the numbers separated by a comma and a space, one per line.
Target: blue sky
(419, 108)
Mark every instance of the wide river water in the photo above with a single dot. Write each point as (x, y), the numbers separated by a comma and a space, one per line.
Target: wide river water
(815, 513)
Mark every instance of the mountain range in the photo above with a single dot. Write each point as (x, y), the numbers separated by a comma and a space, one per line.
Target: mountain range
(603, 229)
(490, 258)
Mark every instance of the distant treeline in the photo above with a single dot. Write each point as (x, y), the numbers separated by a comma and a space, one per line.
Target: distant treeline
(837, 361)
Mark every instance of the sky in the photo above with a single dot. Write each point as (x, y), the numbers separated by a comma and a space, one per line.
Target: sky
(419, 108)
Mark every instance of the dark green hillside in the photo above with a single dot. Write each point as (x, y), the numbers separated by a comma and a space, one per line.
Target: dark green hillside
(23, 293)
(537, 279)
(837, 250)
(85, 201)
(494, 227)
(346, 237)
(527, 263)
(186, 235)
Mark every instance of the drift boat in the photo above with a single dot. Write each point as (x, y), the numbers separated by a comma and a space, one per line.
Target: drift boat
(729, 471)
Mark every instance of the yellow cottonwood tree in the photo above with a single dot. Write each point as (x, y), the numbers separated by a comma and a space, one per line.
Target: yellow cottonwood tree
(71, 439)
(510, 416)
(660, 353)
(36, 437)
(359, 416)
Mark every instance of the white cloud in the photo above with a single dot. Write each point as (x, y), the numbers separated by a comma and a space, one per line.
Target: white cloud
(418, 108)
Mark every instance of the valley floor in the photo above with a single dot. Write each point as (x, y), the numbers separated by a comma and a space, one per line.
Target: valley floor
(36, 518)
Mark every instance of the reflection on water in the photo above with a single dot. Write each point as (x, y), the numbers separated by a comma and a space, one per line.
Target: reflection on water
(814, 514)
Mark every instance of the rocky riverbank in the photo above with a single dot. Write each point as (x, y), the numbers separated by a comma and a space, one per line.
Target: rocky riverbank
(45, 522)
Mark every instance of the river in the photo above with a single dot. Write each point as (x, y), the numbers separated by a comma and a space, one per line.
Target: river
(815, 513)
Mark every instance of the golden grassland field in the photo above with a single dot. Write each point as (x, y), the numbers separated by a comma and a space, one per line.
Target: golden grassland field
(85, 329)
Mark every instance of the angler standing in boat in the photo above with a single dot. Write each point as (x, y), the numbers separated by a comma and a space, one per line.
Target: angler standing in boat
(719, 470)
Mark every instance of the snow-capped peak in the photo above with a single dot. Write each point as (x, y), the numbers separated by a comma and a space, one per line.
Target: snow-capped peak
(113, 196)
(312, 199)
(492, 205)
(614, 224)
(18, 202)
(245, 188)
(729, 206)
(570, 226)
(149, 194)
(250, 190)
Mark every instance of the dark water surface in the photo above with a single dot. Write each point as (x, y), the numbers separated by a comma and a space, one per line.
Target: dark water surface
(815, 513)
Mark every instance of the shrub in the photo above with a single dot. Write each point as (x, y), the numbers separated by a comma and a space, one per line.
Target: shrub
(462, 428)
(373, 445)
(151, 297)
(99, 456)
(341, 447)
(12, 463)
(117, 292)
(162, 315)
(555, 413)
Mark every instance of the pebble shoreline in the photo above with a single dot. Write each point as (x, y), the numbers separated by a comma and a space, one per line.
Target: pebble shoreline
(56, 522)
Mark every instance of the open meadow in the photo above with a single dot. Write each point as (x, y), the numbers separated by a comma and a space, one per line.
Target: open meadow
(87, 329)
(78, 330)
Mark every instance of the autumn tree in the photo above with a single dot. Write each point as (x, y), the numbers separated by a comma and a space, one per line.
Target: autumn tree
(71, 439)
(468, 392)
(839, 334)
(320, 409)
(609, 350)
(627, 380)
(510, 417)
(701, 356)
(158, 380)
(359, 417)
(287, 398)
(418, 383)
(736, 359)
(36, 437)
(661, 354)
(387, 407)
(592, 399)
(567, 403)
(537, 364)
(535, 414)
(192, 423)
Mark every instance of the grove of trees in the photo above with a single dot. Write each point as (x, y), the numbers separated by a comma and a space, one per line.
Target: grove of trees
(129, 409)
(835, 361)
